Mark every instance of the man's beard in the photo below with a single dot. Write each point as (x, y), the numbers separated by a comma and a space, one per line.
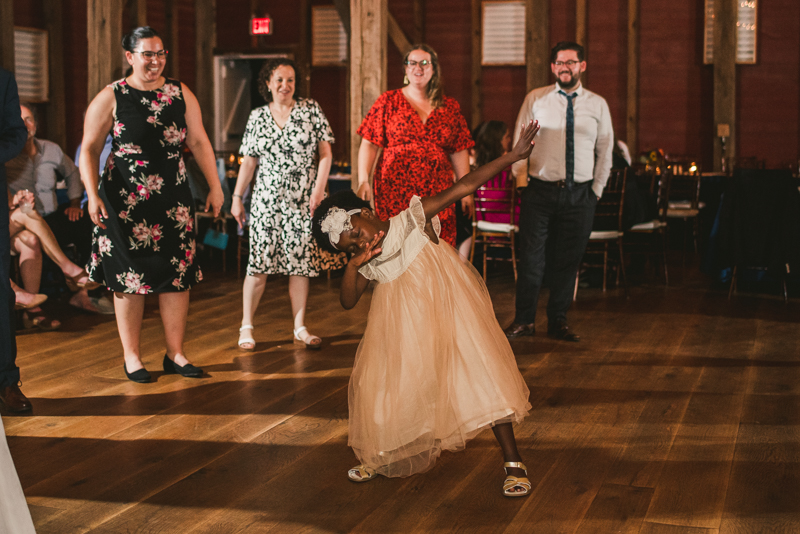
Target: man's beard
(572, 83)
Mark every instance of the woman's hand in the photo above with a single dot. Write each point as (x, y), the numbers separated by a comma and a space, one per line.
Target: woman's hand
(214, 200)
(22, 197)
(237, 210)
(359, 259)
(364, 191)
(468, 206)
(315, 200)
(524, 146)
(97, 211)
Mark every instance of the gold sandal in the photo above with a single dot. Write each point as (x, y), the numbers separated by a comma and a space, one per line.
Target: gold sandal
(361, 473)
(512, 482)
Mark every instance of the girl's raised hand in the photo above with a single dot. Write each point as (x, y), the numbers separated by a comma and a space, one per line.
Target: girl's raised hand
(522, 150)
(369, 252)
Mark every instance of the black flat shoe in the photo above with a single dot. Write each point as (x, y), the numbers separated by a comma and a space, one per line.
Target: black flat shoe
(141, 375)
(188, 370)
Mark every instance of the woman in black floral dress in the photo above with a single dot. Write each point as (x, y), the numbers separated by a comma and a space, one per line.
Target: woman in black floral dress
(290, 141)
(144, 239)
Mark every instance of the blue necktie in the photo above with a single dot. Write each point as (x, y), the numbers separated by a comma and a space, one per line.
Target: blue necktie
(570, 154)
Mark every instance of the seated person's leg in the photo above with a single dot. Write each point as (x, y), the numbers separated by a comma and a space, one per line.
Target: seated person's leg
(35, 224)
(77, 233)
(26, 245)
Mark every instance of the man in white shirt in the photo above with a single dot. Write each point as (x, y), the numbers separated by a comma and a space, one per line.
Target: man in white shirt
(562, 181)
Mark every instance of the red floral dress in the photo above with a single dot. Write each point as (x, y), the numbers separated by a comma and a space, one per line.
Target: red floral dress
(415, 158)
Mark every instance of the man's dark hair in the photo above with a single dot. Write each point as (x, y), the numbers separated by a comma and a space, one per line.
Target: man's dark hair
(347, 200)
(30, 107)
(131, 40)
(566, 45)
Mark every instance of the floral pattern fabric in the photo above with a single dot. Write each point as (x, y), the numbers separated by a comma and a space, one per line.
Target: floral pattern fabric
(280, 212)
(415, 158)
(149, 243)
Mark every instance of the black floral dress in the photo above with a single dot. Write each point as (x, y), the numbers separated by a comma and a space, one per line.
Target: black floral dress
(280, 213)
(149, 243)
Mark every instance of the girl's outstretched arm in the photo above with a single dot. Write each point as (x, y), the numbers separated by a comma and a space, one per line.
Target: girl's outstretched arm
(472, 181)
(353, 282)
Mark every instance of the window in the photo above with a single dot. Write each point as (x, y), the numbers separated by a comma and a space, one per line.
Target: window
(30, 64)
(745, 32)
(503, 35)
(328, 38)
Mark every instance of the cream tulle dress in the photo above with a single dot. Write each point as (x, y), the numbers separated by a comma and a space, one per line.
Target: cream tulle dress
(434, 367)
(14, 515)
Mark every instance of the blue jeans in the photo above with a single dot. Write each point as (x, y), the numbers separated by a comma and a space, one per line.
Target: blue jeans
(554, 227)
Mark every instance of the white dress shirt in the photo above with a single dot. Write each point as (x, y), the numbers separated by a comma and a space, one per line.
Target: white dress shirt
(594, 137)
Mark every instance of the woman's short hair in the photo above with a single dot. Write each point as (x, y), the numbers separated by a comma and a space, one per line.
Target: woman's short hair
(347, 200)
(435, 91)
(488, 137)
(266, 71)
(131, 40)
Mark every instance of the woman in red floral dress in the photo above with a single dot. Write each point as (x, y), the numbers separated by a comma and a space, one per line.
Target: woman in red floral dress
(424, 139)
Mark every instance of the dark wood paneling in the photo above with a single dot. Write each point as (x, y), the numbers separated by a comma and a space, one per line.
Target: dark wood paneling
(769, 92)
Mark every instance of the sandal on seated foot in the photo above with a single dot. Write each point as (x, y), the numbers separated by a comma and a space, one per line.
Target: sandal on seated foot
(38, 321)
(314, 342)
(247, 343)
(361, 473)
(516, 486)
(74, 283)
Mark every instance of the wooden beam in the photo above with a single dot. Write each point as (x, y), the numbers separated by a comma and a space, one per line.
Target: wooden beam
(537, 40)
(56, 105)
(419, 21)
(7, 34)
(138, 13)
(303, 58)
(343, 8)
(477, 43)
(632, 128)
(205, 20)
(369, 30)
(581, 33)
(398, 37)
(103, 32)
(172, 39)
(725, 13)
(118, 63)
(581, 21)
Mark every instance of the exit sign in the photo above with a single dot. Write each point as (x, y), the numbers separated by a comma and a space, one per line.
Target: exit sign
(260, 26)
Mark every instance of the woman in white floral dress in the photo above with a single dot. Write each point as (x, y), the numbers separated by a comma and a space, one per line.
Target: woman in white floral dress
(289, 140)
(144, 239)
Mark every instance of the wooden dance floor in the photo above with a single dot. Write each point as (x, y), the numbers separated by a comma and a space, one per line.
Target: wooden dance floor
(679, 412)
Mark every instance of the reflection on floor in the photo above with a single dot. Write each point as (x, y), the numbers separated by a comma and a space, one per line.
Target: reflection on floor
(678, 412)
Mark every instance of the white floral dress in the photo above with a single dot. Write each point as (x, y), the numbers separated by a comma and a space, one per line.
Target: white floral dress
(149, 243)
(280, 214)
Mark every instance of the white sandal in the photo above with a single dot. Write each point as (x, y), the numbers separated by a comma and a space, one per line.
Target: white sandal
(246, 340)
(513, 482)
(316, 341)
(361, 473)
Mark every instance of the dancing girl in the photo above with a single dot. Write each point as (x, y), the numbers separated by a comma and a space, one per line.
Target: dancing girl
(434, 368)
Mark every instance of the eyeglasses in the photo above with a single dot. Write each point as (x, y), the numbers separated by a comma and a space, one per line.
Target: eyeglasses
(424, 63)
(570, 63)
(161, 54)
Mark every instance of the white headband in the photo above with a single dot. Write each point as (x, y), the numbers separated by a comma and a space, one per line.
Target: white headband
(337, 221)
